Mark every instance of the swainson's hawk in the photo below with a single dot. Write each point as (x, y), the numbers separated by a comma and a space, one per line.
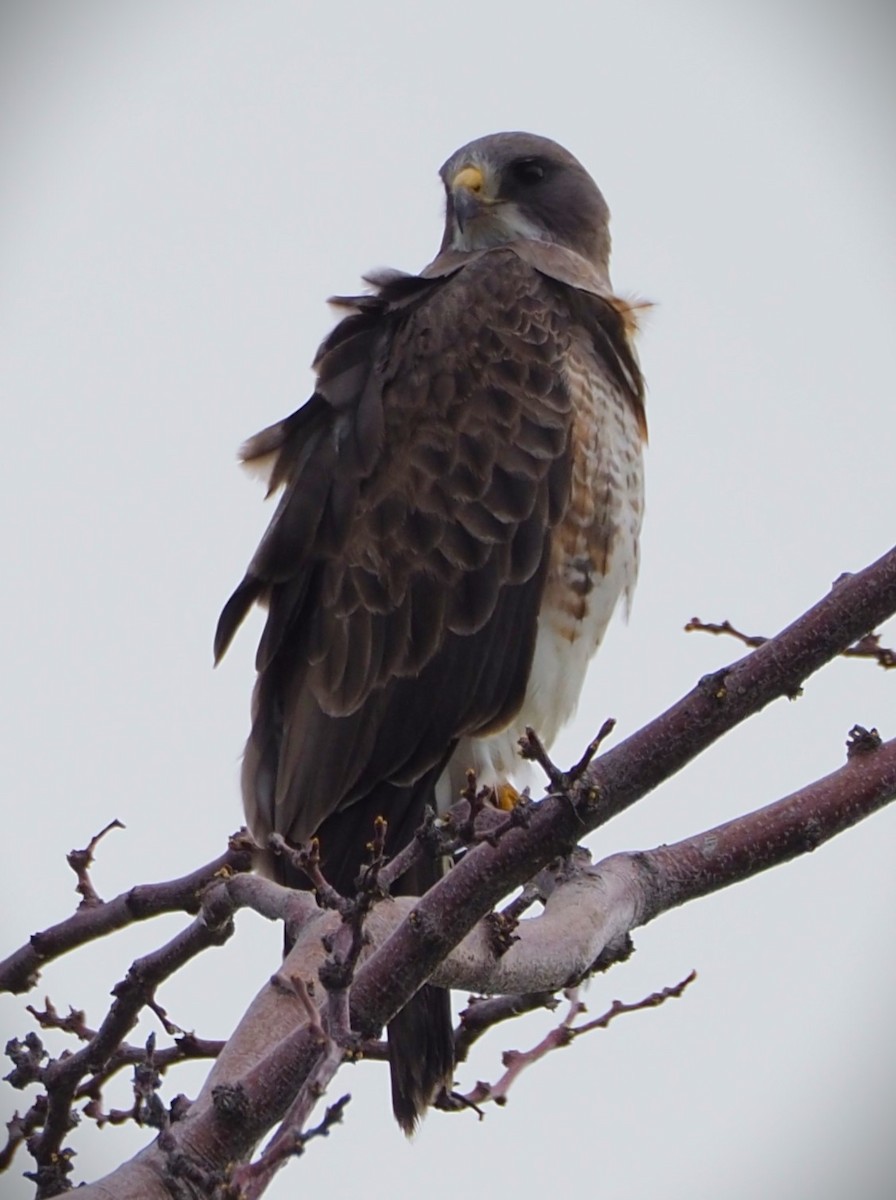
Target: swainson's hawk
(460, 511)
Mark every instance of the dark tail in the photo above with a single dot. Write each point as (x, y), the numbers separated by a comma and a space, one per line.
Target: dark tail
(421, 1054)
(421, 1036)
(421, 1039)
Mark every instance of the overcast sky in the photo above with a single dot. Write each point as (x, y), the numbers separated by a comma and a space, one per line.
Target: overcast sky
(181, 186)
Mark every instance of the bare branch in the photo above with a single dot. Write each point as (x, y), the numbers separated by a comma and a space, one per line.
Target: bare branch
(593, 908)
(576, 772)
(276, 1050)
(186, 1047)
(250, 1181)
(590, 911)
(866, 647)
(794, 825)
(80, 862)
(516, 1061)
(618, 1008)
(62, 1077)
(19, 1128)
(484, 1013)
(869, 647)
(532, 748)
(695, 625)
(21, 970)
(615, 781)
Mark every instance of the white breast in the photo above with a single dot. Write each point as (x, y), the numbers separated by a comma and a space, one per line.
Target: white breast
(594, 563)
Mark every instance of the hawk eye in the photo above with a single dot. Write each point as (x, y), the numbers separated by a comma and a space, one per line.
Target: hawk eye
(528, 170)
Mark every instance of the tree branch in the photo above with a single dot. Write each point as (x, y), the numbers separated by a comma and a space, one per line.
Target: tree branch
(562, 1035)
(21, 970)
(589, 913)
(587, 917)
(866, 647)
(856, 604)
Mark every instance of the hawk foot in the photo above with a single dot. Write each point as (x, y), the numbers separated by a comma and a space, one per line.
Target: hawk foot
(506, 797)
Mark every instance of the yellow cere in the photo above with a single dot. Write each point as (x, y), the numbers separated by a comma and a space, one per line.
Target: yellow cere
(469, 178)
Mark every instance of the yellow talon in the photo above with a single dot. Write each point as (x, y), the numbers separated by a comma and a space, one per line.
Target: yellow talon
(506, 797)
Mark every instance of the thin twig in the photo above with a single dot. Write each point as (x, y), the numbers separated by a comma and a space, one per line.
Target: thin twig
(21, 970)
(574, 773)
(251, 1180)
(307, 859)
(516, 1061)
(617, 779)
(533, 749)
(866, 647)
(484, 1013)
(80, 862)
(136, 991)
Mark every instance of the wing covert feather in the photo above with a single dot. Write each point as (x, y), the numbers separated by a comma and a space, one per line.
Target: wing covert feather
(404, 567)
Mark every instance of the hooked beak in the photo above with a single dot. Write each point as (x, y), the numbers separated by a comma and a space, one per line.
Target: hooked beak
(467, 189)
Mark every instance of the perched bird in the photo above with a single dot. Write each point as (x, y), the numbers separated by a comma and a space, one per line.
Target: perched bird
(460, 512)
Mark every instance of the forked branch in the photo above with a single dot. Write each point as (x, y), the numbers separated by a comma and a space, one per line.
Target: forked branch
(586, 920)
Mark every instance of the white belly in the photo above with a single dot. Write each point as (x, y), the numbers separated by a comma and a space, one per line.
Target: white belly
(594, 564)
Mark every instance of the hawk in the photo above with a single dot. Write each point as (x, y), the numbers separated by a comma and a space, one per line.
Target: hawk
(460, 508)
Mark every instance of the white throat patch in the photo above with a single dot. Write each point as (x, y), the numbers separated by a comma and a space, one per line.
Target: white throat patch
(499, 224)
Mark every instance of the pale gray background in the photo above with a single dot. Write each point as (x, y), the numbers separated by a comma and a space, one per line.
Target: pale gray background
(182, 184)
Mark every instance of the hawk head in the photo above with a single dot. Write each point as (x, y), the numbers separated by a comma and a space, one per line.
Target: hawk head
(517, 186)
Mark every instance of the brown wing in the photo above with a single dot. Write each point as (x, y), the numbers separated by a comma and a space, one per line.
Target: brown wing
(404, 567)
